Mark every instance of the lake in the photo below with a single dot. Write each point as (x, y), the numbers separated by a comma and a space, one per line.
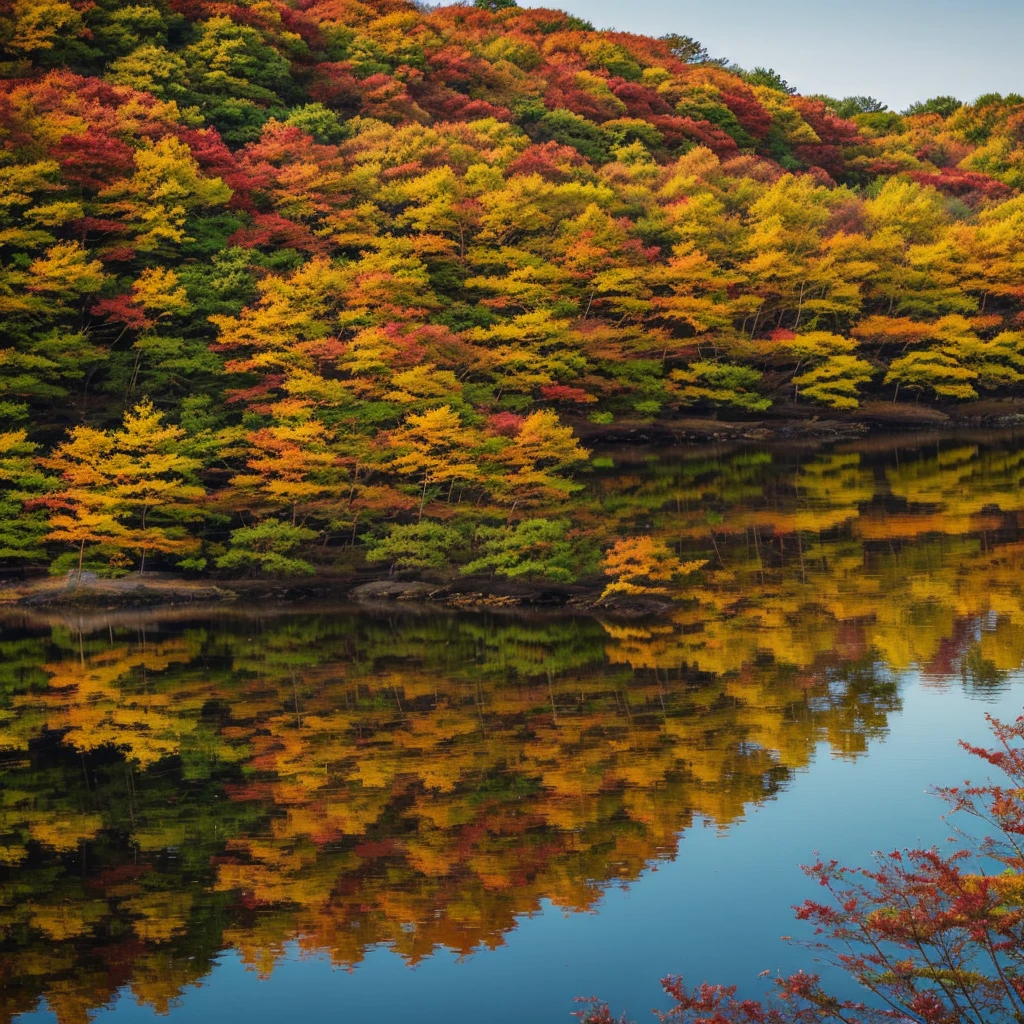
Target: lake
(328, 813)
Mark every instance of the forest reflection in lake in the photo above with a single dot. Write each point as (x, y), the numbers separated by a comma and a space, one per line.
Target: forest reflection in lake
(179, 784)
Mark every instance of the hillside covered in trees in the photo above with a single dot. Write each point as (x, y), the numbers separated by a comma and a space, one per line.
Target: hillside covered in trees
(293, 286)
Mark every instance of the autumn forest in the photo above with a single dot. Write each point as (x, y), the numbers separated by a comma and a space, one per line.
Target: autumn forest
(362, 287)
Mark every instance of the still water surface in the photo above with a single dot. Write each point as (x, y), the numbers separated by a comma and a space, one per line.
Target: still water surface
(350, 815)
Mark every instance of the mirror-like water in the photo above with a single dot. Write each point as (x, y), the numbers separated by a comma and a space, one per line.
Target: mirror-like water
(364, 815)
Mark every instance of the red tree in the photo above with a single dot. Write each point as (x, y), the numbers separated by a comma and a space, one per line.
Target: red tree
(933, 938)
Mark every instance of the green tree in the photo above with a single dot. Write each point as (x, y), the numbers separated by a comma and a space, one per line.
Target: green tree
(235, 78)
(533, 548)
(944, 106)
(422, 545)
(851, 106)
(769, 77)
(21, 529)
(689, 50)
(268, 548)
(720, 384)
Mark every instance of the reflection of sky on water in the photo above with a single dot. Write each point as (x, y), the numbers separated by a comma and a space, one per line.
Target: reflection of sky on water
(352, 779)
(717, 911)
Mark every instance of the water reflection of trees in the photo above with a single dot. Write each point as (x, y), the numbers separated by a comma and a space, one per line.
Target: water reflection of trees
(345, 780)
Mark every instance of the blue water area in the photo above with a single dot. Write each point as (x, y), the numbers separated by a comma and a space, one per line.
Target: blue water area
(328, 812)
(716, 911)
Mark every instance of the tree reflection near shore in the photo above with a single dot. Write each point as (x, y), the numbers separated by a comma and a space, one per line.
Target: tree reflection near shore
(178, 784)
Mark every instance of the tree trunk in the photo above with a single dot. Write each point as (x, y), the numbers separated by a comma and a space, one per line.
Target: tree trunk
(423, 496)
(142, 560)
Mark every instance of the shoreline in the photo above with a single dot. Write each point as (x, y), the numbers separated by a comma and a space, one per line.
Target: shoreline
(799, 422)
(31, 591)
(162, 591)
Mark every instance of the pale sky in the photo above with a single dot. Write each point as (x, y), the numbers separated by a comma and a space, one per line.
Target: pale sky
(896, 50)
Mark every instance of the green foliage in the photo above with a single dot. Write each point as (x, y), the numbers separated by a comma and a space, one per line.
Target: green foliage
(235, 78)
(883, 123)
(533, 548)
(944, 106)
(721, 384)
(850, 106)
(319, 122)
(768, 77)
(21, 529)
(570, 129)
(267, 548)
(689, 51)
(423, 545)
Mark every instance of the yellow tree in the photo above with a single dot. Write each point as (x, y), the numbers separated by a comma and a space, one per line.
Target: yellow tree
(540, 452)
(132, 488)
(80, 512)
(437, 446)
(155, 202)
(290, 463)
(642, 565)
(832, 373)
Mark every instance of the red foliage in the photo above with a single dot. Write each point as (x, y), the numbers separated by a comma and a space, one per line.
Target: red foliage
(970, 186)
(750, 166)
(507, 424)
(371, 849)
(100, 225)
(93, 160)
(217, 161)
(563, 93)
(827, 159)
(264, 389)
(446, 104)
(935, 938)
(335, 86)
(388, 99)
(678, 130)
(882, 166)
(816, 172)
(430, 343)
(457, 66)
(118, 254)
(753, 118)
(406, 170)
(121, 310)
(640, 101)
(847, 217)
(831, 129)
(273, 230)
(549, 159)
(563, 393)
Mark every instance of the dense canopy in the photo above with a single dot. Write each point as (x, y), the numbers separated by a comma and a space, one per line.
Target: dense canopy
(288, 285)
